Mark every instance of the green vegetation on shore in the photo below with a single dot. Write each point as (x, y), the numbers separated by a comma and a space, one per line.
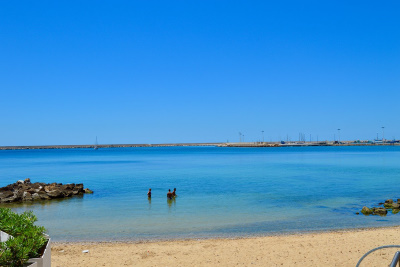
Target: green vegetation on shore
(26, 238)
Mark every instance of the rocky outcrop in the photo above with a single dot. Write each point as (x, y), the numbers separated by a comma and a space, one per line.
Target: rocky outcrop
(24, 190)
(388, 205)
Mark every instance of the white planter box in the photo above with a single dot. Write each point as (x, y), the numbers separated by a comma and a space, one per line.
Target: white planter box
(4, 236)
(45, 260)
(33, 264)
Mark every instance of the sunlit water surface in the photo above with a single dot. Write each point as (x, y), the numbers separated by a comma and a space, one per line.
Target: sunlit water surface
(221, 191)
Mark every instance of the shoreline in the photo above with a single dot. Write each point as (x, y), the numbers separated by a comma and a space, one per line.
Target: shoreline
(233, 237)
(328, 248)
(274, 234)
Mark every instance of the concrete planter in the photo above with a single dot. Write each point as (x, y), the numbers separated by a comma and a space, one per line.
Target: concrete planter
(4, 236)
(33, 264)
(45, 259)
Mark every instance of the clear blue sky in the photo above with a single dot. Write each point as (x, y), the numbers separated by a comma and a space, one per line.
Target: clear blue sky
(197, 71)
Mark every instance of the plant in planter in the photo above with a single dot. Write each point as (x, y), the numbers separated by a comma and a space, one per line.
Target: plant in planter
(27, 240)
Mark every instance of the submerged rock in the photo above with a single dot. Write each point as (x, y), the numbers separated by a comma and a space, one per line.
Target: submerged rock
(24, 190)
(395, 206)
(389, 204)
(379, 211)
(88, 191)
(366, 211)
(389, 201)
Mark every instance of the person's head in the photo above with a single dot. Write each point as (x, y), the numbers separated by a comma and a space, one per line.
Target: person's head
(149, 189)
(174, 189)
(169, 190)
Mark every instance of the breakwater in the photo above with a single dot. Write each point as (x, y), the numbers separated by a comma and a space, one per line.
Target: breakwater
(238, 144)
(105, 146)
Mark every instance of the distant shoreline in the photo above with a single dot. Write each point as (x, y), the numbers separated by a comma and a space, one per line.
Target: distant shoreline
(104, 146)
(242, 144)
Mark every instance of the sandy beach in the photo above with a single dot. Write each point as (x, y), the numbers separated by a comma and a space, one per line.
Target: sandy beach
(338, 248)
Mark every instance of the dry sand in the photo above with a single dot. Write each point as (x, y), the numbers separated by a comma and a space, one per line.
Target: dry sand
(339, 248)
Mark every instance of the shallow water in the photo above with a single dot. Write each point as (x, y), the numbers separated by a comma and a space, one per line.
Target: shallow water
(221, 191)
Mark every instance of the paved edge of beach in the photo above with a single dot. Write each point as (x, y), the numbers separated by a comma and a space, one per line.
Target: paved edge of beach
(330, 248)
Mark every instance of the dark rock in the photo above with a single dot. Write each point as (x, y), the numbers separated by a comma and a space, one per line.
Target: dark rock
(18, 195)
(67, 193)
(36, 186)
(79, 187)
(366, 211)
(55, 193)
(6, 194)
(31, 190)
(389, 205)
(395, 206)
(44, 196)
(67, 187)
(36, 196)
(379, 211)
(389, 201)
(88, 191)
(27, 191)
(27, 196)
(49, 188)
(8, 199)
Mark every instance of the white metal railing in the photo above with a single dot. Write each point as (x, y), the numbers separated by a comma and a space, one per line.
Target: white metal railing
(396, 260)
(382, 247)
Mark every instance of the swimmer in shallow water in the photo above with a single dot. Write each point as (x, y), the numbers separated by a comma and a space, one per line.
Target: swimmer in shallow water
(169, 194)
(174, 193)
(149, 193)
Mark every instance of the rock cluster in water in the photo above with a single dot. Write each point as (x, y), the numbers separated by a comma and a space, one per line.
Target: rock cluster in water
(382, 211)
(24, 190)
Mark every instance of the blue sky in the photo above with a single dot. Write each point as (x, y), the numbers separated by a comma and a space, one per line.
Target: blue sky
(197, 71)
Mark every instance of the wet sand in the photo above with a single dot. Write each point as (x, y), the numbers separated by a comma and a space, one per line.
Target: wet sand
(338, 248)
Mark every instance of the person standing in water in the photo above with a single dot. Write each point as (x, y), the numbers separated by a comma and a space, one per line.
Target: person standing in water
(174, 192)
(149, 193)
(169, 194)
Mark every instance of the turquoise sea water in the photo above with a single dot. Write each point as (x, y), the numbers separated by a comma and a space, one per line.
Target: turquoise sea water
(221, 191)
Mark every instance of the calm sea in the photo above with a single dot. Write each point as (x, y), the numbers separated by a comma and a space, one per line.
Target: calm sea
(222, 192)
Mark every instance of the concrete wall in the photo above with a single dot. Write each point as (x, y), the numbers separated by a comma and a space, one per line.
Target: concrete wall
(45, 260)
(4, 236)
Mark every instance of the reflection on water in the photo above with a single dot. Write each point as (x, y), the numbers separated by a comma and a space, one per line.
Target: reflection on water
(170, 202)
(41, 203)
